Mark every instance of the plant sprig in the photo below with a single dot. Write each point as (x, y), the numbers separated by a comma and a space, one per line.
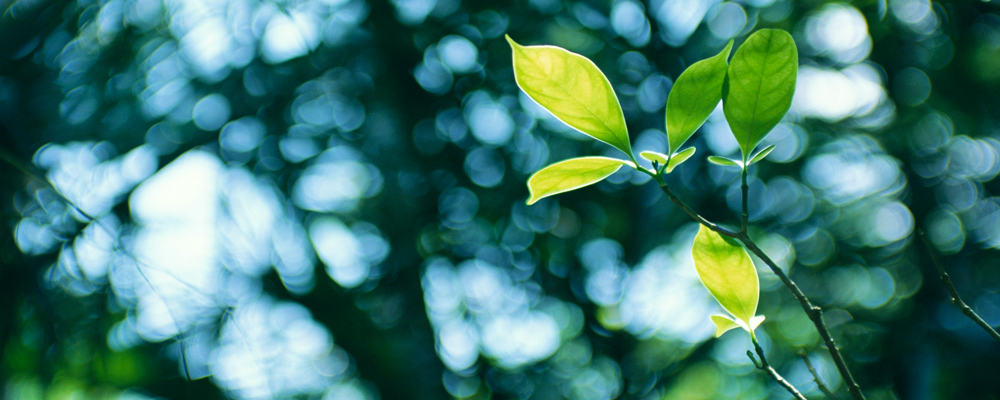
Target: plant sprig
(761, 83)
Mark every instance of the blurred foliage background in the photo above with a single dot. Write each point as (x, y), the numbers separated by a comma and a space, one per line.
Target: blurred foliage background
(256, 199)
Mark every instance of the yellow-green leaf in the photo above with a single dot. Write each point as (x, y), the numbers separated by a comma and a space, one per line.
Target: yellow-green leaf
(725, 161)
(761, 84)
(573, 89)
(654, 156)
(723, 324)
(694, 96)
(727, 271)
(680, 157)
(571, 174)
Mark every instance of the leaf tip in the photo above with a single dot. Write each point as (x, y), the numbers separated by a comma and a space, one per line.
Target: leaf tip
(513, 44)
(729, 49)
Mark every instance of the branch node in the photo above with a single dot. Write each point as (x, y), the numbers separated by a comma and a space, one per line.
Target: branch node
(755, 363)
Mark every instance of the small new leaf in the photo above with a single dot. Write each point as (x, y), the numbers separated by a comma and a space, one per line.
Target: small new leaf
(654, 156)
(725, 161)
(679, 158)
(727, 271)
(573, 89)
(571, 174)
(694, 96)
(761, 84)
(723, 324)
(673, 162)
(761, 154)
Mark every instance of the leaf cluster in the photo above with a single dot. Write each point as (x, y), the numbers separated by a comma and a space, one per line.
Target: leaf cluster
(756, 89)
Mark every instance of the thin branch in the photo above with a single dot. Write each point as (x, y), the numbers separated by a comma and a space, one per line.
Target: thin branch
(711, 225)
(815, 313)
(764, 366)
(819, 382)
(746, 189)
(955, 298)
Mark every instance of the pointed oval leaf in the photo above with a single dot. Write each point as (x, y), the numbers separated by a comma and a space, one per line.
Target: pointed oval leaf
(571, 174)
(723, 324)
(761, 84)
(679, 158)
(761, 154)
(727, 271)
(694, 96)
(654, 156)
(724, 161)
(573, 89)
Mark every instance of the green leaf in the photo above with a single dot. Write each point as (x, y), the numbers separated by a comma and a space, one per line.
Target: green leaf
(761, 154)
(694, 96)
(679, 158)
(573, 89)
(654, 156)
(727, 271)
(723, 324)
(761, 84)
(725, 161)
(571, 174)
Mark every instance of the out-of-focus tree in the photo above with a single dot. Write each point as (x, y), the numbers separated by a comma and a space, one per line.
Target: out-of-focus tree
(326, 199)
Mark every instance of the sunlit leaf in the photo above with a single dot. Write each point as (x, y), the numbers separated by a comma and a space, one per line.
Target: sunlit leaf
(755, 322)
(723, 324)
(679, 158)
(695, 94)
(573, 89)
(727, 271)
(761, 154)
(761, 84)
(571, 174)
(654, 156)
(725, 161)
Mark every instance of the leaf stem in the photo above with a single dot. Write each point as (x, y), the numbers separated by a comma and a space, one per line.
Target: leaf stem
(955, 298)
(819, 382)
(764, 366)
(815, 313)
